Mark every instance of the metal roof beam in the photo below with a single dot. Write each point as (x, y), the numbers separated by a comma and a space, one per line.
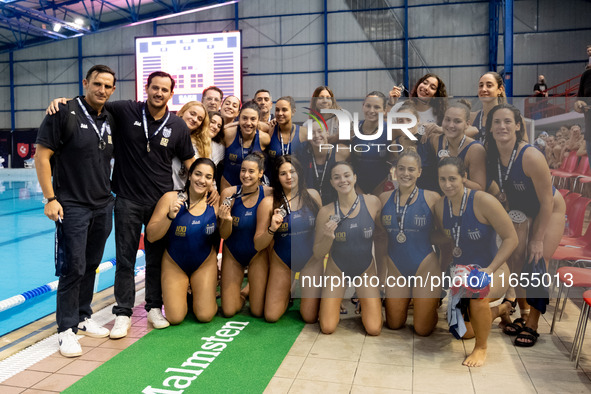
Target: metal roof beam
(42, 17)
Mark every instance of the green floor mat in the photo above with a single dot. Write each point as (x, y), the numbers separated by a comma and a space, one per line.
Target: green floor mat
(238, 354)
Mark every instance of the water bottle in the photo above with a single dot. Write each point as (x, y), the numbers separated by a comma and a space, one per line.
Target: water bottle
(566, 226)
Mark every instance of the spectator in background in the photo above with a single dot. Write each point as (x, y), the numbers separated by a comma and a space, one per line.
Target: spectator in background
(582, 104)
(212, 98)
(540, 88)
(589, 56)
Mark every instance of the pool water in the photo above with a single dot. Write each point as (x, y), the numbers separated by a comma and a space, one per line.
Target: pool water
(26, 250)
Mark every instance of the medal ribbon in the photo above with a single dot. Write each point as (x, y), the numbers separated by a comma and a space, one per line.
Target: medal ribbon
(513, 154)
(458, 224)
(145, 123)
(337, 209)
(104, 127)
(408, 200)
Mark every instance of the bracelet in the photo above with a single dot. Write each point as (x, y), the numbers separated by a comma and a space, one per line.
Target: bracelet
(168, 216)
(270, 231)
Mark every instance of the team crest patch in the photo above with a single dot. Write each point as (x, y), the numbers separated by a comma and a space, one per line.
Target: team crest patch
(209, 229)
(166, 132)
(367, 233)
(164, 142)
(109, 140)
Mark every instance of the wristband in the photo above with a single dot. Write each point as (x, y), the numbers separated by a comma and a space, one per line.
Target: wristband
(168, 216)
(270, 231)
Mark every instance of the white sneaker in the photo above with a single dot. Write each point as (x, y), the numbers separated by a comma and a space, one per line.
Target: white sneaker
(155, 317)
(91, 328)
(121, 326)
(69, 346)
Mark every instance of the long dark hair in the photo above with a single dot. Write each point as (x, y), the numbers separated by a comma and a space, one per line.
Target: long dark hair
(219, 138)
(307, 200)
(201, 160)
(439, 105)
(490, 145)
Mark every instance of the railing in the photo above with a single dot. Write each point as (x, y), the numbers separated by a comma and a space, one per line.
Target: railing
(560, 100)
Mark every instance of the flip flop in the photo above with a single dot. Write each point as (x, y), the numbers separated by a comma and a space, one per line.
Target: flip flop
(526, 334)
(514, 328)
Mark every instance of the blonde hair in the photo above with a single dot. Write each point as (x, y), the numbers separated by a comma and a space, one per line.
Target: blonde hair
(200, 136)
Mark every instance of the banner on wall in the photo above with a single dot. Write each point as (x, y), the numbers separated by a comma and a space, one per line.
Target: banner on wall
(23, 146)
(5, 147)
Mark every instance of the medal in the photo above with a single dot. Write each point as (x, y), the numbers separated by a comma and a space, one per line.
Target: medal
(227, 202)
(182, 196)
(443, 153)
(282, 212)
(421, 129)
(148, 146)
(502, 197)
(401, 238)
(455, 231)
(105, 127)
(335, 218)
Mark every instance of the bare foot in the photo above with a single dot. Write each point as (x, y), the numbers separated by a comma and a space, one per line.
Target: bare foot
(476, 359)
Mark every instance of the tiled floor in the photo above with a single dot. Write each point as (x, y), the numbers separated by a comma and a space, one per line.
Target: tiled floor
(348, 361)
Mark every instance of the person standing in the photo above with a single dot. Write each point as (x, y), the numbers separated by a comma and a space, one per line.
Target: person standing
(540, 88)
(75, 146)
(148, 137)
(582, 105)
(212, 98)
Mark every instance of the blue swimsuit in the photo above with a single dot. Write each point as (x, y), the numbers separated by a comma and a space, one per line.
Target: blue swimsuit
(463, 152)
(276, 149)
(372, 166)
(234, 156)
(481, 130)
(297, 229)
(407, 256)
(478, 241)
(190, 239)
(352, 247)
(244, 225)
(521, 193)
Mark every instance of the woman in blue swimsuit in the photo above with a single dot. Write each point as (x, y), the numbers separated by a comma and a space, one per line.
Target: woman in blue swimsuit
(286, 221)
(345, 230)
(455, 143)
(536, 209)
(472, 219)
(240, 141)
(407, 218)
(491, 92)
(190, 259)
(238, 221)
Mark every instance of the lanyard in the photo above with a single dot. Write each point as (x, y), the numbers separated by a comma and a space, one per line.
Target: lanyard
(104, 127)
(285, 151)
(401, 218)
(250, 148)
(459, 147)
(337, 209)
(145, 123)
(286, 202)
(240, 194)
(458, 224)
(328, 155)
(509, 166)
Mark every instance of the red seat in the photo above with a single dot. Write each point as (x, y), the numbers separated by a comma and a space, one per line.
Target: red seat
(570, 170)
(564, 192)
(575, 212)
(569, 277)
(581, 327)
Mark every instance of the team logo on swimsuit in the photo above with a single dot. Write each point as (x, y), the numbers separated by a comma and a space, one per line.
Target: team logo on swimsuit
(233, 157)
(420, 221)
(109, 140)
(83, 126)
(387, 220)
(136, 123)
(196, 222)
(353, 225)
(474, 235)
(272, 153)
(210, 228)
(235, 221)
(248, 213)
(312, 221)
(164, 142)
(283, 229)
(519, 186)
(180, 231)
(166, 132)
(341, 236)
(367, 232)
